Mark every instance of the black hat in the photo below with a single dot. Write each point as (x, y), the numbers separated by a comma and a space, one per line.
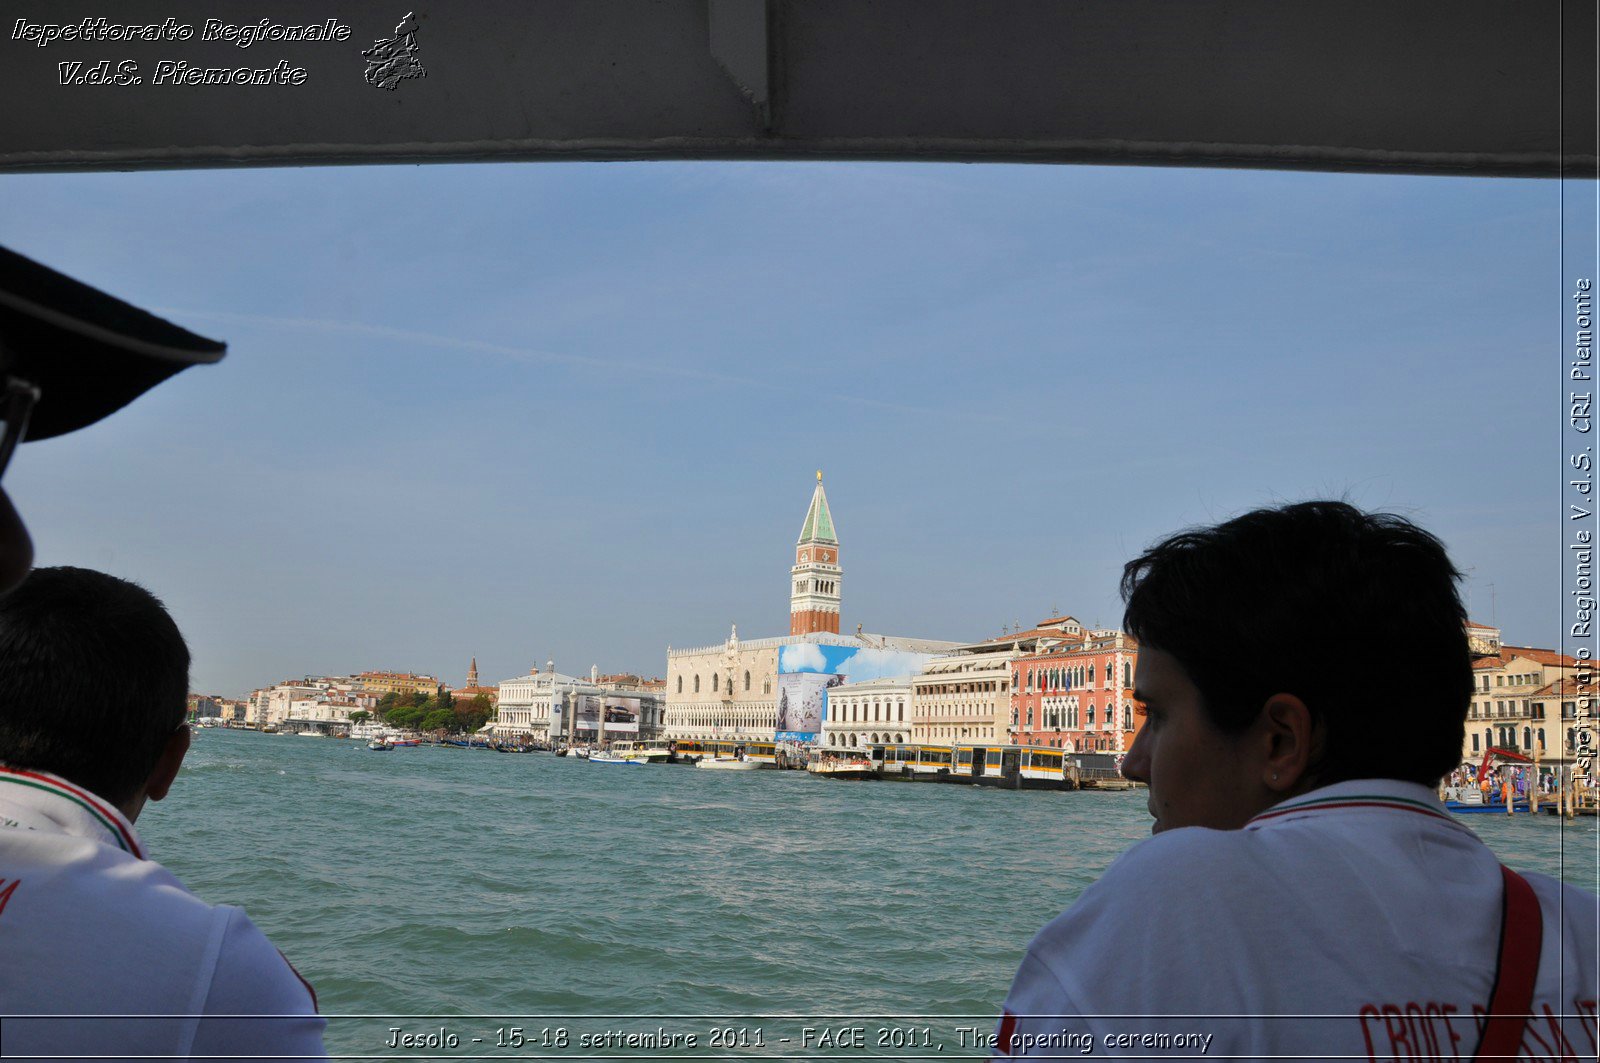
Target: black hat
(88, 353)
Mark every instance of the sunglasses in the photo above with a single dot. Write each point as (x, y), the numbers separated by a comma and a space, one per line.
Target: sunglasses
(16, 406)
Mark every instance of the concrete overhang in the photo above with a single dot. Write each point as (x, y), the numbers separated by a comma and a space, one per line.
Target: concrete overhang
(1479, 87)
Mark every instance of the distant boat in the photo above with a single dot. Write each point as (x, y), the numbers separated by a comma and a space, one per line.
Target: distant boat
(607, 757)
(728, 763)
(843, 768)
(382, 745)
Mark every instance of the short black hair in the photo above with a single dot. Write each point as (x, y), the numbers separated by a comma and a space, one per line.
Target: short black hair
(1357, 614)
(94, 679)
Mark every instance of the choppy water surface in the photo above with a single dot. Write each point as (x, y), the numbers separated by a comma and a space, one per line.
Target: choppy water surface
(454, 882)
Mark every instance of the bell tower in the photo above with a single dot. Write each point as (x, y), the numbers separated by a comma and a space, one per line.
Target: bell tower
(814, 594)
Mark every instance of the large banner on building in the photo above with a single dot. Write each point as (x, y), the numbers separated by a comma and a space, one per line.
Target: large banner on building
(621, 714)
(807, 671)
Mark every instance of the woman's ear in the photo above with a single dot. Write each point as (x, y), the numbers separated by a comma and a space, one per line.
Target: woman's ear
(1288, 734)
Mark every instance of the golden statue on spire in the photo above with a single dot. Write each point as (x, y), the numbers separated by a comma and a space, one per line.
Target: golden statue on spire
(819, 476)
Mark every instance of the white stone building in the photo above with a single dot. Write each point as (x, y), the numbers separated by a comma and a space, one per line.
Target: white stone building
(868, 713)
(551, 707)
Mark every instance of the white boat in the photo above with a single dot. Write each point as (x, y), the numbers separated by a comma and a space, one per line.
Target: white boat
(312, 734)
(843, 768)
(642, 752)
(611, 757)
(728, 763)
(380, 744)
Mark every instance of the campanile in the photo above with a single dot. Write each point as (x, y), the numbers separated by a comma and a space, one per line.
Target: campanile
(814, 600)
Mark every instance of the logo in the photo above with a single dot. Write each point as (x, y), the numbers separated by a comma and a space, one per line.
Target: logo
(393, 59)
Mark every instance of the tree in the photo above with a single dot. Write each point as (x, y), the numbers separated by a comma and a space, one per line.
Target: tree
(360, 716)
(473, 714)
(388, 703)
(405, 716)
(438, 720)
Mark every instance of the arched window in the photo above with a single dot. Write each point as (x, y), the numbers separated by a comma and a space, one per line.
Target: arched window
(902, 717)
(747, 681)
(874, 714)
(680, 684)
(1527, 738)
(697, 684)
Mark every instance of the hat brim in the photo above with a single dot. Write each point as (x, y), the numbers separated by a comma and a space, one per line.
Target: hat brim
(89, 353)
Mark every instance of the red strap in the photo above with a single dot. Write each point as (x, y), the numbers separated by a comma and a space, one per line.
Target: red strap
(1511, 1003)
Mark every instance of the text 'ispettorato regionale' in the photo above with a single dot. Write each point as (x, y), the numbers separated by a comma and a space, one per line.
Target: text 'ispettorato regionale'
(126, 71)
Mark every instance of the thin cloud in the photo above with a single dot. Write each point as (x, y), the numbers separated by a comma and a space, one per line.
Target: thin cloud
(662, 367)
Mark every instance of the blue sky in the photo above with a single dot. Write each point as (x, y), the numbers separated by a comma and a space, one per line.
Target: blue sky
(573, 411)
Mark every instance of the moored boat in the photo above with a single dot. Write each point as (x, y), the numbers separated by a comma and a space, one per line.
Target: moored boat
(606, 756)
(843, 767)
(728, 763)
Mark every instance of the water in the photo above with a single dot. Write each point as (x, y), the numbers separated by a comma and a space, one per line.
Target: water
(453, 882)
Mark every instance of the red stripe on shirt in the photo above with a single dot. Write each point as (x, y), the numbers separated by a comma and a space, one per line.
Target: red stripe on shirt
(1274, 813)
(112, 815)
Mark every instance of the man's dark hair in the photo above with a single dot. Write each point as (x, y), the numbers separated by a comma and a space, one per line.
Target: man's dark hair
(1354, 613)
(94, 679)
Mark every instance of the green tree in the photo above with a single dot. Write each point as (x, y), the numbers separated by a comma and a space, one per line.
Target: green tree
(473, 714)
(438, 720)
(388, 703)
(360, 716)
(405, 716)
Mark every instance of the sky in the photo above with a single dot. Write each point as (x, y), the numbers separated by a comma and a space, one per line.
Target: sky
(574, 412)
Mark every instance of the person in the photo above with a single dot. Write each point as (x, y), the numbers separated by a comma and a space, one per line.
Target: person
(93, 684)
(71, 355)
(1305, 679)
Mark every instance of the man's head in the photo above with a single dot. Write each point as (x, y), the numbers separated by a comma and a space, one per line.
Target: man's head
(1351, 616)
(94, 678)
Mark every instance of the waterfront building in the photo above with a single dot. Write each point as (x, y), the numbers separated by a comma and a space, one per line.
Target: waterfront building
(1514, 693)
(1564, 719)
(553, 708)
(743, 688)
(399, 683)
(869, 713)
(1076, 693)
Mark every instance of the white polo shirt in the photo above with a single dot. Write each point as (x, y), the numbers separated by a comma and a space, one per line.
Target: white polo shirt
(1359, 920)
(89, 926)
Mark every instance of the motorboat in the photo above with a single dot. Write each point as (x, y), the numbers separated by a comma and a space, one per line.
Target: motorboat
(843, 768)
(728, 763)
(606, 756)
(382, 745)
(642, 752)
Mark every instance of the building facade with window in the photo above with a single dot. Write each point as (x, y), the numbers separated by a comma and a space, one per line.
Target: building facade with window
(1077, 694)
(1517, 693)
(874, 712)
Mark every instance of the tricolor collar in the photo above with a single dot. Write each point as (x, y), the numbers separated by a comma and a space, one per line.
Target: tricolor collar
(1358, 795)
(37, 800)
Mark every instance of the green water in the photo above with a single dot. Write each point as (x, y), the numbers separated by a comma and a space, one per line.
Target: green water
(527, 890)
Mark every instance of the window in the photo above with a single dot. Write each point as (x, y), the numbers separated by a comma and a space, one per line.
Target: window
(747, 681)
(697, 684)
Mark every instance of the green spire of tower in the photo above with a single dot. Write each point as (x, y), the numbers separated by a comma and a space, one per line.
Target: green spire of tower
(819, 521)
